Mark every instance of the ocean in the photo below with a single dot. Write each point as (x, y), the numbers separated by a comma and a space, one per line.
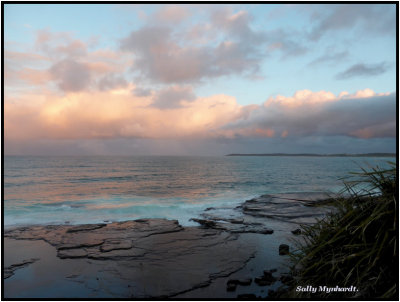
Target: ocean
(75, 190)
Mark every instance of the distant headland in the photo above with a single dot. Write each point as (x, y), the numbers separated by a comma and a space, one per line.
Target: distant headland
(318, 155)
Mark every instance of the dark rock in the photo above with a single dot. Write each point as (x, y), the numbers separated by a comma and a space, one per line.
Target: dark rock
(283, 249)
(232, 281)
(271, 270)
(204, 222)
(261, 281)
(296, 232)
(266, 231)
(230, 287)
(236, 221)
(244, 281)
(142, 220)
(209, 209)
(268, 277)
(247, 296)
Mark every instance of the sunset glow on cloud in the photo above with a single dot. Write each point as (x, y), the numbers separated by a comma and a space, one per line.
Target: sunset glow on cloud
(219, 73)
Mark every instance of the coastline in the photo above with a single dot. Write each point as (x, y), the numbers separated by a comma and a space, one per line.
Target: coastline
(158, 258)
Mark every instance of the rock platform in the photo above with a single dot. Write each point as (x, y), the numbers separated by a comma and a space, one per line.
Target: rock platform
(156, 258)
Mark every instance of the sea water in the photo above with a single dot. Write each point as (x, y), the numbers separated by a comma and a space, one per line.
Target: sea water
(75, 190)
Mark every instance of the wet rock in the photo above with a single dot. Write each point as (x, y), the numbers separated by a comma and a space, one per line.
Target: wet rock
(9, 271)
(76, 243)
(270, 271)
(231, 285)
(244, 282)
(262, 281)
(141, 252)
(86, 227)
(72, 253)
(204, 222)
(268, 277)
(283, 249)
(289, 207)
(236, 221)
(116, 245)
(296, 232)
(267, 231)
(265, 279)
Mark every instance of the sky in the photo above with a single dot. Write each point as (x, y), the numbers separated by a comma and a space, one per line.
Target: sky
(199, 79)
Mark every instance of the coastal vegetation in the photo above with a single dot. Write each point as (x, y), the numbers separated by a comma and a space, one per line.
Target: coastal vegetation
(355, 245)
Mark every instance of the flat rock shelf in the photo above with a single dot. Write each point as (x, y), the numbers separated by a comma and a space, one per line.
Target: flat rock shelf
(158, 258)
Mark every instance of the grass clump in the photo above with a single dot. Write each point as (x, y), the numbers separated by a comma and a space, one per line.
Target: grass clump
(356, 244)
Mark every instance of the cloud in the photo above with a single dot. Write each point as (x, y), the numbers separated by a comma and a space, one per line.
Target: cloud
(34, 76)
(111, 81)
(364, 114)
(289, 43)
(363, 70)
(162, 59)
(141, 92)
(172, 13)
(172, 97)
(59, 44)
(70, 75)
(175, 113)
(60, 60)
(113, 114)
(330, 57)
(375, 18)
(167, 55)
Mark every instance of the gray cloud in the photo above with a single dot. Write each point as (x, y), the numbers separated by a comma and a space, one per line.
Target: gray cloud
(373, 18)
(70, 75)
(171, 97)
(363, 70)
(111, 81)
(288, 43)
(141, 92)
(166, 55)
(354, 117)
(330, 57)
(161, 58)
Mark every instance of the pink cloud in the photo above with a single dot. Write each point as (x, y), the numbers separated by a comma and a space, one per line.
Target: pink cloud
(35, 76)
(115, 114)
(118, 113)
(172, 13)
(62, 61)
